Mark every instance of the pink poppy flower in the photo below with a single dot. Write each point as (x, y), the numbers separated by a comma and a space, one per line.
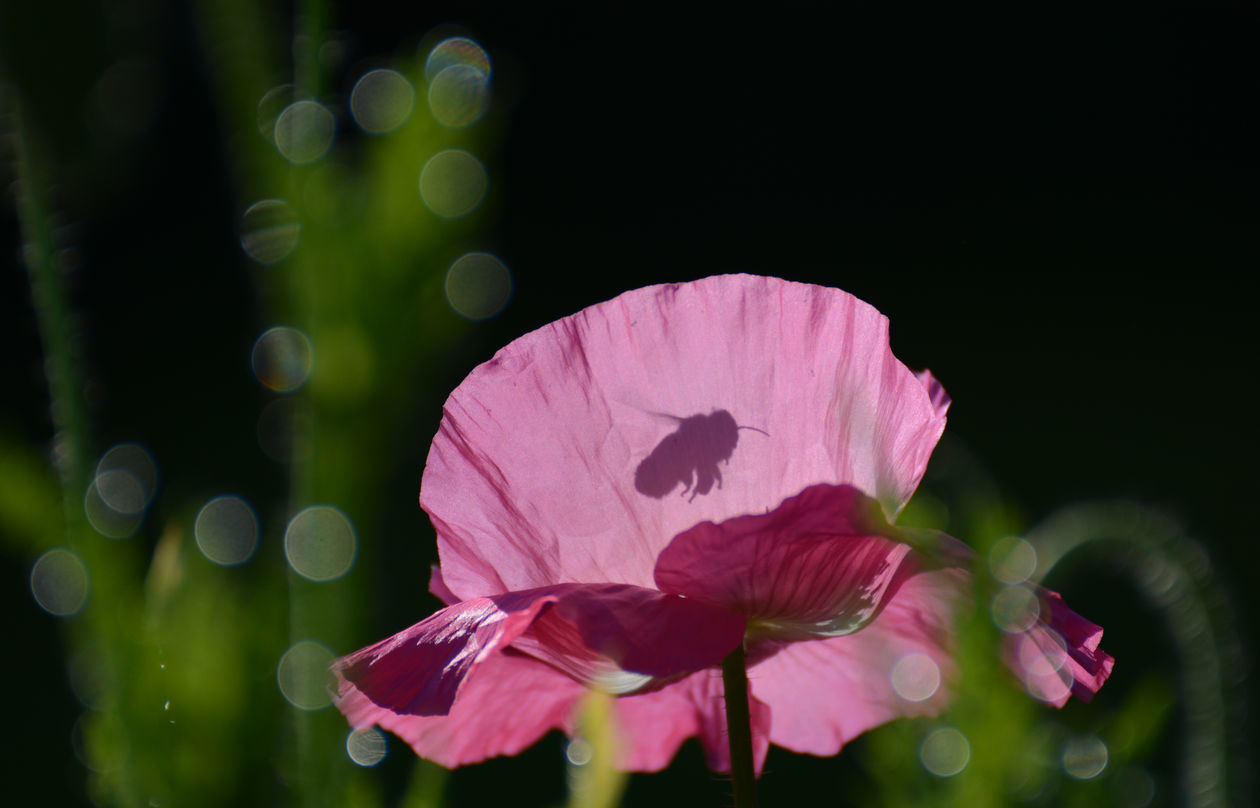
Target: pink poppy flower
(624, 496)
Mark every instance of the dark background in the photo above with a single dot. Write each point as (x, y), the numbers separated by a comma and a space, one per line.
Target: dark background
(1059, 219)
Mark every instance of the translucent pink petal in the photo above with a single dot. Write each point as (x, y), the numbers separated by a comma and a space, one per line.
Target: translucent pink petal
(504, 707)
(438, 587)
(1059, 657)
(616, 637)
(583, 448)
(653, 725)
(824, 693)
(623, 639)
(819, 565)
(936, 392)
(420, 671)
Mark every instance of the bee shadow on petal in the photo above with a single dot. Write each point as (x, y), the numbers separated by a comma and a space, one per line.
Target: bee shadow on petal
(690, 455)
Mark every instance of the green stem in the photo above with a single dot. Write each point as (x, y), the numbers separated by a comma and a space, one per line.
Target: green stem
(739, 728)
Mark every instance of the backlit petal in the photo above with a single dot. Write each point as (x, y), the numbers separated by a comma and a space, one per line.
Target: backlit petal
(615, 637)
(622, 639)
(583, 448)
(503, 708)
(1058, 656)
(819, 565)
(420, 671)
(654, 725)
(824, 693)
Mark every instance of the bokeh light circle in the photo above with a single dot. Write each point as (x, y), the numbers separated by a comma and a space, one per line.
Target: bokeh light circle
(452, 183)
(367, 748)
(283, 430)
(122, 487)
(59, 582)
(303, 675)
(916, 677)
(1012, 560)
(304, 132)
(579, 751)
(270, 231)
(456, 50)
(1085, 757)
(478, 286)
(459, 96)
(226, 530)
(126, 478)
(381, 101)
(272, 103)
(945, 752)
(120, 491)
(320, 543)
(281, 359)
(1015, 609)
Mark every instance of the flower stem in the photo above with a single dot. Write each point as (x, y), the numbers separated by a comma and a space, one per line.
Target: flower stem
(739, 728)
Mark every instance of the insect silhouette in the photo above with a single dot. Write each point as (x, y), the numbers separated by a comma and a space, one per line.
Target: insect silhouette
(690, 455)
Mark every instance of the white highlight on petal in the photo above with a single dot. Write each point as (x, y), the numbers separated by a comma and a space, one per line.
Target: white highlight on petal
(945, 752)
(320, 543)
(226, 530)
(618, 682)
(1085, 757)
(59, 582)
(367, 748)
(1012, 560)
(303, 675)
(916, 677)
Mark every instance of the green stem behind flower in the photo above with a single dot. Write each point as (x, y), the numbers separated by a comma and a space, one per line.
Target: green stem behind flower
(739, 728)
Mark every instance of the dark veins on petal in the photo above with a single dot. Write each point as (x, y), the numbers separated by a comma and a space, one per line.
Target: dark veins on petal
(690, 455)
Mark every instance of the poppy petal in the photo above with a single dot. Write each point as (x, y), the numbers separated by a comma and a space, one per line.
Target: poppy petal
(420, 670)
(582, 448)
(819, 565)
(653, 725)
(503, 708)
(1058, 657)
(898, 666)
(615, 637)
(623, 639)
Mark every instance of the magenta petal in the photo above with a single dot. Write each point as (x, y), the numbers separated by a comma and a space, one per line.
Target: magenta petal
(826, 692)
(940, 399)
(438, 587)
(503, 708)
(816, 566)
(581, 449)
(615, 637)
(653, 725)
(622, 639)
(420, 671)
(1058, 656)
